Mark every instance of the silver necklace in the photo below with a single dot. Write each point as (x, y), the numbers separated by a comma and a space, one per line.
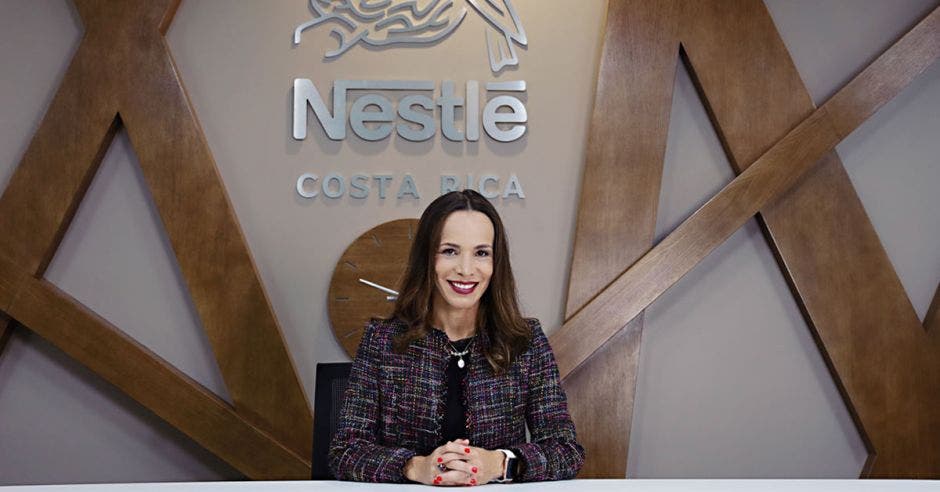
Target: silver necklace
(454, 353)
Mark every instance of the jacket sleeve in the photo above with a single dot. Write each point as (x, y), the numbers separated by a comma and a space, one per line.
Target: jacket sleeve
(354, 452)
(553, 453)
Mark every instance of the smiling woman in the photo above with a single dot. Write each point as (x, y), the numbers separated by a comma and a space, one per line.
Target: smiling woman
(463, 266)
(441, 392)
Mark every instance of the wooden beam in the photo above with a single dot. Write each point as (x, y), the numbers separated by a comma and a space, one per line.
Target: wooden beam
(123, 65)
(6, 331)
(821, 235)
(601, 395)
(54, 173)
(10, 284)
(635, 289)
(775, 172)
(211, 249)
(151, 381)
(932, 318)
(626, 144)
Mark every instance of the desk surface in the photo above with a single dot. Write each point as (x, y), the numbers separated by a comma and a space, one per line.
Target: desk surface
(570, 485)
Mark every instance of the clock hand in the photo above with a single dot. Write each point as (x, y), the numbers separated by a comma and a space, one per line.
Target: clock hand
(392, 297)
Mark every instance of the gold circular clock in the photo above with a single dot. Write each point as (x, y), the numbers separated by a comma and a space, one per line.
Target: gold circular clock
(366, 279)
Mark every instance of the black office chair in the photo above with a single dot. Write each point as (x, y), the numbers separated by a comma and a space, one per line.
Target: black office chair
(327, 403)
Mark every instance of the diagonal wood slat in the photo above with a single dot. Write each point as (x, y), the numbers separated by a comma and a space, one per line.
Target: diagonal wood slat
(691, 241)
(932, 324)
(775, 172)
(626, 144)
(932, 318)
(6, 331)
(221, 275)
(123, 66)
(52, 197)
(767, 179)
(11, 281)
(821, 234)
(58, 166)
(145, 377)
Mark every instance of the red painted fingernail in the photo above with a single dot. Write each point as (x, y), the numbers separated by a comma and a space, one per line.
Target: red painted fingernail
(466, 450)
(473, 481)
(440, 460)
(437, 478)
(474, 469)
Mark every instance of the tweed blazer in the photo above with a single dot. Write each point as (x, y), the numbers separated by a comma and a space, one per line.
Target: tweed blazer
(395, 403)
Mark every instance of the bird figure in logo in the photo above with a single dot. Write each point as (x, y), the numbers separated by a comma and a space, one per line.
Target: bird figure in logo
(381, 23)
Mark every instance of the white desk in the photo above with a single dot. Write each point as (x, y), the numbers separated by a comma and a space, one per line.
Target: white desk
(570, 485)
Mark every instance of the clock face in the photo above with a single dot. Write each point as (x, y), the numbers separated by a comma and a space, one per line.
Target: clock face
(375, 261)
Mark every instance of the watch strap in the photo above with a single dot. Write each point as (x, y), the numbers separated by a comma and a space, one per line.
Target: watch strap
(509, 466)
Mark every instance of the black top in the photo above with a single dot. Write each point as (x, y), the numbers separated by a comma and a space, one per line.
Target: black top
(455, 415)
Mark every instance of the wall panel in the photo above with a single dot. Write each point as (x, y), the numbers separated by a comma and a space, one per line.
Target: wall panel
(236, 60)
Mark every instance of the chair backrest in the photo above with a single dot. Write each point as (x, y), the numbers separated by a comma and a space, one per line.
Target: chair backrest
(327, 403)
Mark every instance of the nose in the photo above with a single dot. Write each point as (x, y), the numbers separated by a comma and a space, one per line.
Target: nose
(464, 266)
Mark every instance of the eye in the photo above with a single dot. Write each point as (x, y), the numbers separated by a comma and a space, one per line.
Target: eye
(483, 253)
(448, 251)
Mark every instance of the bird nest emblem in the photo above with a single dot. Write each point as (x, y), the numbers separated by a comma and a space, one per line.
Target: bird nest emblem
(382, 23)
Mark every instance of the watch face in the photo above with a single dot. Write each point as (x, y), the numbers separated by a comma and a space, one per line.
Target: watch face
(366, 279)
(512, 466)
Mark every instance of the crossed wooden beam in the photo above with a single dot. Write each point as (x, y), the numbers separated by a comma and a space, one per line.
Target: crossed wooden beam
(123, 76)
(881, 358)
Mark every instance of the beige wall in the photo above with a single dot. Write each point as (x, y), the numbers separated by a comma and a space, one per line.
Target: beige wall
(731, 383)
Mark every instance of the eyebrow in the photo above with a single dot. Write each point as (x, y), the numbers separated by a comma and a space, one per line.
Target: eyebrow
(458, 246)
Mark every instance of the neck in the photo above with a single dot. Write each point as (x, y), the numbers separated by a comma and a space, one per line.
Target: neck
(456, 323)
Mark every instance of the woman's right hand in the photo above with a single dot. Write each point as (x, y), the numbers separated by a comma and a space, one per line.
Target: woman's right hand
(452, 456)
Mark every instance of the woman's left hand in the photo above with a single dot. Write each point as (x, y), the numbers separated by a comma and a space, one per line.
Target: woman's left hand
(483, 465)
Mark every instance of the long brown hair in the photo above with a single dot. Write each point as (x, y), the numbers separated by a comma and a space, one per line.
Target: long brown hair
(498, 317)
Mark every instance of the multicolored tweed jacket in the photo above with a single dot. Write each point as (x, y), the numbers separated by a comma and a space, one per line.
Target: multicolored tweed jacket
(394, 407)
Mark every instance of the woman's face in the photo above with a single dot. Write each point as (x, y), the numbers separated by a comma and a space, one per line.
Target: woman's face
(464, 260)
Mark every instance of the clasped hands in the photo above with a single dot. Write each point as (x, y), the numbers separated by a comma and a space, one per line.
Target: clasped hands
(456, 463)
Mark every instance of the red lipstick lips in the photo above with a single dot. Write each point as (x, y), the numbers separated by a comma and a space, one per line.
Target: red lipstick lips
(462, 288)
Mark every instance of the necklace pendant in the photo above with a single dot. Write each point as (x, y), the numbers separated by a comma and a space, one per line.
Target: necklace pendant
(460, 363)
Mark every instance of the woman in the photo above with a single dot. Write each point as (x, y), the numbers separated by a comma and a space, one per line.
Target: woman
(441, 392)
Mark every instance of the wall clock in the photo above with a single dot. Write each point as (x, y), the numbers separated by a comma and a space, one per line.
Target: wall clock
(366, 279)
